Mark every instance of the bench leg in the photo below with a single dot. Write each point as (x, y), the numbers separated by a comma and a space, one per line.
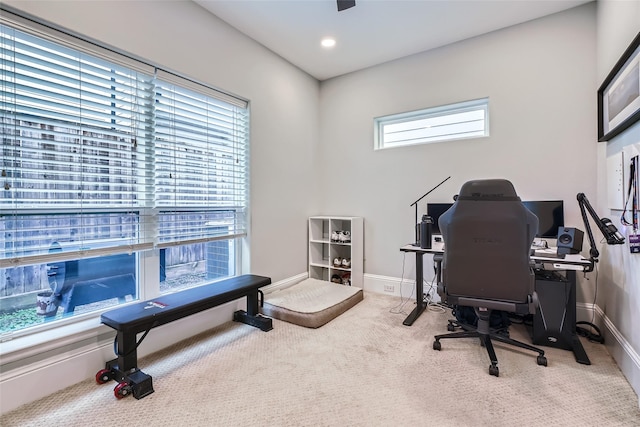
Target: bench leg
(133, 382)
(124, 370)
(252, 315)
(127, 352)
(261, 322)
(252, 304)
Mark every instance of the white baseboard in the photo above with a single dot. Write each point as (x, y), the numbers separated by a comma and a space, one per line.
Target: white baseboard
(282, 284)
(52, 375)
(623, 353)
(626, 357)
(403, 288)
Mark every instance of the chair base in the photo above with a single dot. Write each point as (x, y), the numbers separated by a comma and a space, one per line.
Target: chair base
(453, 324)
(486, 341)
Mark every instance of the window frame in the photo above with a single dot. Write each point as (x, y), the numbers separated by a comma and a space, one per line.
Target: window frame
(442, 111)
(148, 259)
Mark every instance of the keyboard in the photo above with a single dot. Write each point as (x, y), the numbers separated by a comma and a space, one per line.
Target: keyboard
(545, 252)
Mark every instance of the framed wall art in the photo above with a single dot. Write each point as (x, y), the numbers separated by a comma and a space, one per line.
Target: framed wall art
(619, 94)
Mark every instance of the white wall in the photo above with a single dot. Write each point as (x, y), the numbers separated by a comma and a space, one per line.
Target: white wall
(539, 77)
(619, 297)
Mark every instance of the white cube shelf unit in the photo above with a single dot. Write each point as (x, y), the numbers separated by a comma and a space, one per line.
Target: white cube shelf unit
(323, 250)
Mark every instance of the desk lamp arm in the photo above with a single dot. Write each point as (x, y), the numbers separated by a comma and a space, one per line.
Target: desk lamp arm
(608, 230)
(416, 205)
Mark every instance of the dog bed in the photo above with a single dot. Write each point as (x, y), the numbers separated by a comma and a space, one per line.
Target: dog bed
(311, 303)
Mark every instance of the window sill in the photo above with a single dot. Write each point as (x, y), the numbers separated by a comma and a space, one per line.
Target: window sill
(55, 337)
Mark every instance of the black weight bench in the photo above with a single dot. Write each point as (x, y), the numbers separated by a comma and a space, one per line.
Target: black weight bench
(142, 317)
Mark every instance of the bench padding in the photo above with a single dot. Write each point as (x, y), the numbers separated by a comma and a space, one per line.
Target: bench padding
(167, 308)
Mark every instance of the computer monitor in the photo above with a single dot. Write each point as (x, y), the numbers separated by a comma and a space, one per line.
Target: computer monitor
(434, 210)
(550, 215)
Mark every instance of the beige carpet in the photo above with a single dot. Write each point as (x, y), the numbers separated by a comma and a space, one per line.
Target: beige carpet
(363, 368)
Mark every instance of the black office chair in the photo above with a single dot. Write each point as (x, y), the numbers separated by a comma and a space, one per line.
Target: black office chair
(487, 240)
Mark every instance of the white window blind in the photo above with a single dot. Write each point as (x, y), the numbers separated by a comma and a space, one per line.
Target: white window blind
(462, 120)
(200, 162)
(74, 143)
(101, 156)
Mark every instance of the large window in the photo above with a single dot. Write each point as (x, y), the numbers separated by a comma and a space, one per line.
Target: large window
(103, 159)
(469, 119)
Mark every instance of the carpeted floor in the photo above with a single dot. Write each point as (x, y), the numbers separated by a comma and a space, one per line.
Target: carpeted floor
(364, 368)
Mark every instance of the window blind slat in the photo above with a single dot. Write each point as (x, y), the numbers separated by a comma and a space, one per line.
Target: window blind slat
(81, 134)
(171, 78)
(199, 226)
(124, 158)
(74, 137)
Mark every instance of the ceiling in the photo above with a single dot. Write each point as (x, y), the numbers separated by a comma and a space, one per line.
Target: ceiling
(372, 32)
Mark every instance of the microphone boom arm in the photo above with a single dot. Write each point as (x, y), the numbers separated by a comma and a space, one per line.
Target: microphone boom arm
(608, 230)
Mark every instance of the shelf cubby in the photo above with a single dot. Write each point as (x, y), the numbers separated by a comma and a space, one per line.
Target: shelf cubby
(323, 250)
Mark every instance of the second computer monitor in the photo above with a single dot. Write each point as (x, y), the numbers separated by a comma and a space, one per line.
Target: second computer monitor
(434, 210)
(550, 215)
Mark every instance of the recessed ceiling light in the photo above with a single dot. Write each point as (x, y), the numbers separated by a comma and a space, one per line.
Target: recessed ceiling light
(328, 42)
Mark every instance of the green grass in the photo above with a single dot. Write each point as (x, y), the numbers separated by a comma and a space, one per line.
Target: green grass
(27, 317)
(19, 319)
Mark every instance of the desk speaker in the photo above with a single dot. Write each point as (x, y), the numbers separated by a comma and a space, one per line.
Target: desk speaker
(569, 240)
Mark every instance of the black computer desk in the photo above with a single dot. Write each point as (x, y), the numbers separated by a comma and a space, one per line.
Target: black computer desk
(421, 304)
(551, 335)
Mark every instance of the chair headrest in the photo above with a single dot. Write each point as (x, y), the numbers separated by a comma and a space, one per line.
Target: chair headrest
(488, 189)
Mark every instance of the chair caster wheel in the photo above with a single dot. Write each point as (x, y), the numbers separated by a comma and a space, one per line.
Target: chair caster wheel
(493, 370)
(450, 327)
(437, 345)
(542, 361)
(104, 376)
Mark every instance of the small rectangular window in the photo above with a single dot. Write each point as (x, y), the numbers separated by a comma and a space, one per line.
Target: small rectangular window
(462, 120)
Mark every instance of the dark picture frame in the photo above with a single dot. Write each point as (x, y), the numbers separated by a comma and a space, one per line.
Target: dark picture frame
(619, 94)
